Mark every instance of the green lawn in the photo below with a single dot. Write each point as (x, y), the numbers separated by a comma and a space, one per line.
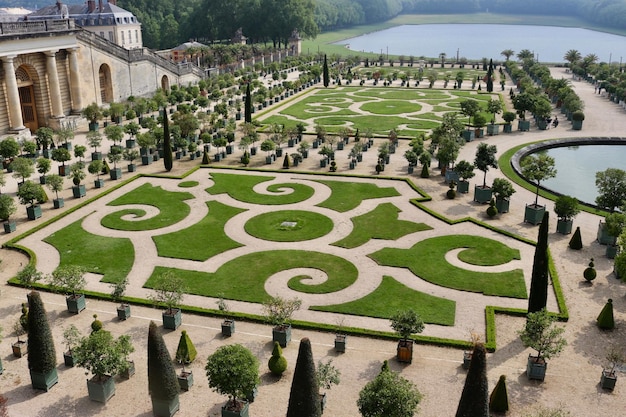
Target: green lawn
(240, 187)
(171, 205)
(380, 223)
(111, 257)
(346, 196)
(271, 226)
(426, 259)
(243, 278)
(202, 240)
(391, 296)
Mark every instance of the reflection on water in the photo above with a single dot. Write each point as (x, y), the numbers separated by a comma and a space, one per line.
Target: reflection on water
(577, 166)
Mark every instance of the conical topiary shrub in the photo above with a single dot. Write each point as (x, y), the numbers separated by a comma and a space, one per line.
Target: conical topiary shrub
(277, 363)
(576, 242)
(590, 272)
(538, 298)
(162, 380)
(186, 351)
(425, 173)
(499, 398)
(41, 353)
(304, 398)
(605, 319)
(205, 158)
(474, 400)
(24, 317)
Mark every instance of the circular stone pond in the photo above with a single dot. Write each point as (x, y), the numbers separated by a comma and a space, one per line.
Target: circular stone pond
(577, 161)
(289, 226)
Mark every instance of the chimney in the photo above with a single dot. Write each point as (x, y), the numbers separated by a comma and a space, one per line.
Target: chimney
(91, 6)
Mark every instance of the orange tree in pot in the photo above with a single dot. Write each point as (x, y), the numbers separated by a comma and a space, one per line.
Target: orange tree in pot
(406, 323)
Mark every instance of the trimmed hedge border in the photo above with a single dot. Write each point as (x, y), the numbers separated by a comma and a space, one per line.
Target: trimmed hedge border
(490, 311)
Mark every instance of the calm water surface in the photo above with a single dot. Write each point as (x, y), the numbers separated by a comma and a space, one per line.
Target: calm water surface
(475, 41)
(577, 166)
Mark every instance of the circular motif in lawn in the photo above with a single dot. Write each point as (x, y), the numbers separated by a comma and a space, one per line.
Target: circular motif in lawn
(289, 226)
(391, 107)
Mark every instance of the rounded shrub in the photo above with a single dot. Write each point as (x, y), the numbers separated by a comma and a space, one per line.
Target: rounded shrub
(578, 115)
(590, 272)
(96, 324)
(492, 210)
(277, 363)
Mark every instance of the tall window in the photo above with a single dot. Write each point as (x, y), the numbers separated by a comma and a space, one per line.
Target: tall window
(111, 36)
(122, 37)
(136, 36)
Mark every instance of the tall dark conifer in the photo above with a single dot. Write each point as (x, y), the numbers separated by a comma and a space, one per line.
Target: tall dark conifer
(325, 72)
(539, 281)
(41, 352)
(162, 379)
(490, 77)
(248, 106)
(475, 396)
(167, 143)
(304, 400)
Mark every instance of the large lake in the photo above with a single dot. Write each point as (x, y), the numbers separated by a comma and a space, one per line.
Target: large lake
(476, 41)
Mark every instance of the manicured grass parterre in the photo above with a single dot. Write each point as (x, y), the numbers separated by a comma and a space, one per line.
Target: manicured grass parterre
(202, 240)
(171, 205)
(380, 223)
(111, 257)
(240, 187)
(243, 278)
(346, 196)
(289, 226)
(426, 259)
(391, 296)
(188, 184)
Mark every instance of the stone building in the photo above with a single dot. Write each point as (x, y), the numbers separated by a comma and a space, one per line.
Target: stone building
(51, 69)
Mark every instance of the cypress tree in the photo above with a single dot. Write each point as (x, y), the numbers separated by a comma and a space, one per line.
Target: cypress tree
(499, 398)
(475, 396)
(304, 399)
(490, 77)
(248, 106)
(205, 158)
(167, 144)
(325, 72)
(538, 298)
(286, 162)
(576, 242)
(41, 352)
(605, 319)
(162, 380)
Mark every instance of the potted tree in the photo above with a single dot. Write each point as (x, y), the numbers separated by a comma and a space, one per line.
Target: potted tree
(541, 334)
(55, 183)
(465, 170)
(405, 323)
(114, 157)
(7, 209)
(233, 371)
(9, 149)
(577, 120)
(61, 155)
(64, 136)
(92, 113)
(278, 311)
(95, 168)
(43, 167)
(615, 223)
(41, 352)
(94, 139)
(103, 356)
(341, 339)
(146, 141)
(485, 159)
(77, 174)
(494, 106)
(185, 354)
(71, 336)
(228, 324)
(130, 155)
(162, 382)
(503, 190)
(615, 357)
(119, 287)
(20, 347)
(327, 376)
(537, 168)
(508, 117)
(33, 195)
(469, 108)
(566, 208)
(169, 291)
(71, 280)
(131, 129)
(522, 103)
(44, 138)
(22, 169)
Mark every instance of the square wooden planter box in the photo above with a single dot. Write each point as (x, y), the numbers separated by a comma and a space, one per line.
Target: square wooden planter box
(185, 380)
(130, 371)
(564, 226)
(467, 360)
(536, 368)
(534, 214)
(58, 203)
(44, 381)
(123, 311)
(603, 236)
(502, 204)
(242, 412)
(172, 320)
(19, 348)
(79, 191)
(282, 335)
(99, 183)
(116, 173)
(482, 195)
(228, 328)
(10, 226)
(493, 130)
(33, 212)
(101, 391)
(405, 351)
(165, 408)
(462, 187)
(340, 343)
(76, 303)
(68, 359)
(608, 380)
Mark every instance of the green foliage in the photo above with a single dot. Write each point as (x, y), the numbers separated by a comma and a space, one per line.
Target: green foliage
(388, 394)
(71, 337)
(169, 291)
(406, 323)
(168, 161)
(605, 319)
(538, 297)
(96, 325)
(492, 210)
(566, 207)
(9, 148)
(232, 370)
(485, 159)
(24, 317)
(308, 225)
(7, 207)
(304, 398)
(162, 380)
(279, 310)
(499, 398)
(590, 272)
(541, 334)
(474, 400)
(22, 168)
(576, 242)
(465, 170)
(425, 173)
(611, 185)
(41, 352)
(502, 188)
(68, 278)
(277, 363)
(346, 196)
(327, 375)
(538, 167)
(240, 187)
(186, 351)
(29, 275)
(31, 193)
